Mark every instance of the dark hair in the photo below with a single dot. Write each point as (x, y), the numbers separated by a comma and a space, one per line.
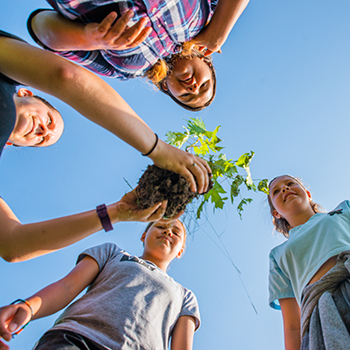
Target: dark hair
(159, 72)
(47, 103)
(281, 224)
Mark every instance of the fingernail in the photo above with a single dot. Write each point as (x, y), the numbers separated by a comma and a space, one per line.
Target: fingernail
(12, 327)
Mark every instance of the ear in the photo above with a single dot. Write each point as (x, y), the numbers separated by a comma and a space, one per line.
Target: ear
(23, 92)
(179, 254)
(309, 194)
(8, 143)
(142, 239)
(276, 214)
(164, 85)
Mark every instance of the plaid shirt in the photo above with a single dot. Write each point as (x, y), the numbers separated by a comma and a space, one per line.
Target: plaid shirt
(173, 21)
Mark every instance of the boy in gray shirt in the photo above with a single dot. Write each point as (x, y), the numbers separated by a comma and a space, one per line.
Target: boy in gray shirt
(131, 302)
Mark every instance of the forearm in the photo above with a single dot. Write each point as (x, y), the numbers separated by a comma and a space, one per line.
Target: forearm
(76, 86)
(292, 339)
(59, 33)
(58, 295)
(22, 242)
(224, 18)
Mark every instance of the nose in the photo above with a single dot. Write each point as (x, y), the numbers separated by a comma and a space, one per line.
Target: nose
(194, 87)
(285, 188)
(168, 232)
(42, 130)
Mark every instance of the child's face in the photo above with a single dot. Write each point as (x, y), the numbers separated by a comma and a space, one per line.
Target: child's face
(164, 240)
(36, 123)
(288, 197)
(191, 82)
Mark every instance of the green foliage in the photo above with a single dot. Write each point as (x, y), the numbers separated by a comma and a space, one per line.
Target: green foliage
(205, 144)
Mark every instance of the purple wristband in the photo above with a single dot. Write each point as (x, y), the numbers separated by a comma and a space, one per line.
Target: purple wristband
(104, 217)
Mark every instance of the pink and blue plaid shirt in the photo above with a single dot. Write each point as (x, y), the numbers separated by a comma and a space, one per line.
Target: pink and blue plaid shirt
(173, 21)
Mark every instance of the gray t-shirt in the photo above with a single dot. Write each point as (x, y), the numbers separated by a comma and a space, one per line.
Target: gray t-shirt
(132, 304)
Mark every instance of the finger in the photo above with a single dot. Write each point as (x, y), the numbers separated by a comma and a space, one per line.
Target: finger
(172, 218)
(201, 48)
(158, 214)
(132, 34)
(3, 346)
(107, 22)
(189, 177)
(205, 164)
(205, 176)
(119, 26)
(141, 38)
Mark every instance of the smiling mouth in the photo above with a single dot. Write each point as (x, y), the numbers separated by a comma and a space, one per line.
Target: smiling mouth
(288, 195)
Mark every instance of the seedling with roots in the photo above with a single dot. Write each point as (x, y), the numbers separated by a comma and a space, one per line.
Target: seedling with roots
(205, 144)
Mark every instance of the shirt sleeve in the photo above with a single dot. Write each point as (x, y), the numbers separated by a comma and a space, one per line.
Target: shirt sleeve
(280, 286)
(101, 253)
(190, 307)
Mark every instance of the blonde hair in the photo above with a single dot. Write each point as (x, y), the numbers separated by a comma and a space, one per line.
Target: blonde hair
(281, 224)
(162, 68)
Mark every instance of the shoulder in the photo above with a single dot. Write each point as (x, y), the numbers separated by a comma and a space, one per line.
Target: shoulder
(101, 253)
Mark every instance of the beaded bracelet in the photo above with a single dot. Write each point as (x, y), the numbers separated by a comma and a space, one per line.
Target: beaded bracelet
(31, 312)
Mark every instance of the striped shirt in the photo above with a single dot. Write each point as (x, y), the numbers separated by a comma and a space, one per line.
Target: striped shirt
(173, 22)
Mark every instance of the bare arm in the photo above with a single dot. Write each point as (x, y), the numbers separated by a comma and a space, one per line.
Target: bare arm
(291, 323)
(97, 101)
(22, 242)
(182, 338)
(49, 300)
(214, 35)
(61, 34)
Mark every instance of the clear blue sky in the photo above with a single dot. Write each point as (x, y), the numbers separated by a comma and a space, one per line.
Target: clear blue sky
(283, 92)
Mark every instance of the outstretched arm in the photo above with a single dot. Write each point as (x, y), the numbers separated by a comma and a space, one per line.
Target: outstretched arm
(61, 34)
(49, 300)
(97, 101)
(22, 242)
(182, 338)
(291, 323)
(214, 35)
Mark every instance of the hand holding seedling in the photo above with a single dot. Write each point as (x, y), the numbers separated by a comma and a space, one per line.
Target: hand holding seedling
(112, 34)
(194, 169)
(127, 210)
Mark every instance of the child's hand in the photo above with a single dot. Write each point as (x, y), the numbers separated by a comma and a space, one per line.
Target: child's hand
(127, 210)
(12, 317)
(117, 36)
(207, 41)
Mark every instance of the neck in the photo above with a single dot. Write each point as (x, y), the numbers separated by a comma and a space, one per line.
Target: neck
(163, 265)
(300, 218)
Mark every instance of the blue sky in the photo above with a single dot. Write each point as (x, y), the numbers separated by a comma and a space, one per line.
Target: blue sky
(283, 92)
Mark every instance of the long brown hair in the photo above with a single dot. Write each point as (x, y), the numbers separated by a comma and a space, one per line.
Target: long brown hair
(281, 224)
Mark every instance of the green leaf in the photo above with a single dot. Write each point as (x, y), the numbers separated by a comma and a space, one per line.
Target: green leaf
(263, 186)
(177, 139)
(235, 187)
(200, 209)
(196, 126)
(244, 201)
(245, 159)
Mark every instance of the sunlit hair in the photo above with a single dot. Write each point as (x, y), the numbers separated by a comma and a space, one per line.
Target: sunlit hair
(282, 225)
(162, 68)
(183, 227)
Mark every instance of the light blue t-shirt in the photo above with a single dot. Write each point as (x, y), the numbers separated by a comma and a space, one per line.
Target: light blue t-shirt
(309, 246)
